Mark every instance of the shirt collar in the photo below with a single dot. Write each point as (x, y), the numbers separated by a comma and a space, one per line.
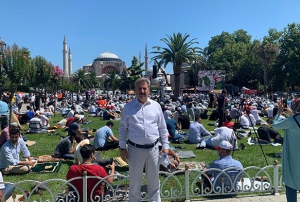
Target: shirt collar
(137, 102)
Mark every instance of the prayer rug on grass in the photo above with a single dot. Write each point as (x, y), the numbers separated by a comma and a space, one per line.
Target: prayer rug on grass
(30, 143)
(47, 158)
(185, 154)
(47, 167)
(191, 165)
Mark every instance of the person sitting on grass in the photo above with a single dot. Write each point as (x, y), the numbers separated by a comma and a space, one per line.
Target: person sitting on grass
(225, 161)
(65, 148)
(105, 139)
(197, 132)
(88, 155)
(228, 121)
(80, 141)
(36, 124)
(29, 114)
(10, 162)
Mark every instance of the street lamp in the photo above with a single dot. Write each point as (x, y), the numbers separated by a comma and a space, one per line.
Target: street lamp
(2, 48)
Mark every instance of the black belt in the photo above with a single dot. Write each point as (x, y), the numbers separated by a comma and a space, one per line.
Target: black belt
(3, 115)
(145, 146)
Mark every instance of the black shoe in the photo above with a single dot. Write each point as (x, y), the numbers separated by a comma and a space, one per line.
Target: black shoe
(249, 134)
(243, 147)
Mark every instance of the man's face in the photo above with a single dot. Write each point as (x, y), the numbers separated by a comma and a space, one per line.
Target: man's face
(14, 138)
(142, 91)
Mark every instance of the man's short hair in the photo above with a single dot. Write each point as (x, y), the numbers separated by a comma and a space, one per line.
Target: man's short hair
(14, 131)
(224, 91)
(109, 123)
(142, 79)
(228, 117)
(86, 151)
(197, 117)
(79, 137)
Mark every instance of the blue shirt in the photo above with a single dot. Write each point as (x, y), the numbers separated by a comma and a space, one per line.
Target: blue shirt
(10, 154)
(3, 108)
(196, 131)
(171, 126)
(183, 109)
(222, 163)
(102, 136)
(290, 150)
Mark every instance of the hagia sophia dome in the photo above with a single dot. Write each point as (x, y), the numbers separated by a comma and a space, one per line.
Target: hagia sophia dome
(108, 56)
(104, 63)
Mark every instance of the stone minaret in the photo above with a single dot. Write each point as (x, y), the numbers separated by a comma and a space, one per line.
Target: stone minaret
(140, 58)
(70, 61)
(65, 58)
(146, 59)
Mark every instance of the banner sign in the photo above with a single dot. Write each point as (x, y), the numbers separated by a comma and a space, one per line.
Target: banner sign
(250, 91)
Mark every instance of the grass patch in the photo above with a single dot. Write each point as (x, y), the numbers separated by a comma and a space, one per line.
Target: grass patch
(46, 144)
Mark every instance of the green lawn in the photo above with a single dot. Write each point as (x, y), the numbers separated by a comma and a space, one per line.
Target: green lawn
(46, 144)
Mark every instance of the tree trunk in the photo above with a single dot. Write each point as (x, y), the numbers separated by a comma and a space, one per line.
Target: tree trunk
(265, 80)
(177, 72)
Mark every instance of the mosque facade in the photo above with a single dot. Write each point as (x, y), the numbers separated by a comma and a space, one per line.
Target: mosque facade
(104, 63)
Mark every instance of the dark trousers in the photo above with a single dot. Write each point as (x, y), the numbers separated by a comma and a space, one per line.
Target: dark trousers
(221, 115)
(108, 146)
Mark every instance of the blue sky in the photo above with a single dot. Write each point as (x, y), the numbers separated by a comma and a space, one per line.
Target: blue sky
(124, 27)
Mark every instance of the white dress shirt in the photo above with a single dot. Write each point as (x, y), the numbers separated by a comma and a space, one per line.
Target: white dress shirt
(143, 124)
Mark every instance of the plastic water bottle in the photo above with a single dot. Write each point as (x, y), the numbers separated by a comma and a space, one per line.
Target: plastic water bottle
(164, 160)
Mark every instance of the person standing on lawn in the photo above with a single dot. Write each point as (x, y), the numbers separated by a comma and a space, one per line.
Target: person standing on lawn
(142, 121)
(290, 149)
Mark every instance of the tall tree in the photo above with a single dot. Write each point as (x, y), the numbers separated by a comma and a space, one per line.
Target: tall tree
(179, 50)
(112, 81)
(289, 55)
(134, 72)
(15, 62)
(267, 52)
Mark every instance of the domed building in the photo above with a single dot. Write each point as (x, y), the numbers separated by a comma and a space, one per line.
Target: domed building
(105, 62)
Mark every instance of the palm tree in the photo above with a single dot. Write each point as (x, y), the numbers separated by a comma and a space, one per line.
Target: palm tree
(79, 79)
(179, 51)
(112, 81)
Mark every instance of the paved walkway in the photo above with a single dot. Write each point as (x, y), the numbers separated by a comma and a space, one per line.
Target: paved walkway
(263, 198)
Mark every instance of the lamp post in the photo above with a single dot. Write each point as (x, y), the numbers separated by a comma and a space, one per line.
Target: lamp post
(2, 48)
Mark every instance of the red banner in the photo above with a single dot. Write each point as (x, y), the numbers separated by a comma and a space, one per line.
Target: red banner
(250, 91)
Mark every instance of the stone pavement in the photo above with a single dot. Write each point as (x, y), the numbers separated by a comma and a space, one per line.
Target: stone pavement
(253, 198)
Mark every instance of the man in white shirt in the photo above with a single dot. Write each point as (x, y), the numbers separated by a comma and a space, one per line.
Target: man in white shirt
(167, 113)
(143, 123)
(244, 121)
(258, 120)
(222, 133)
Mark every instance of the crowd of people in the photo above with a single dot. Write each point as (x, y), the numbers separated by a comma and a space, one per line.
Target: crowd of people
(147, 124)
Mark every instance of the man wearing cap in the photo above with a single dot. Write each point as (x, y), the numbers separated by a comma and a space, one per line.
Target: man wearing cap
(5, 133)
(10, 152)
(74, 125)
(143, 123)
(225, 161)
